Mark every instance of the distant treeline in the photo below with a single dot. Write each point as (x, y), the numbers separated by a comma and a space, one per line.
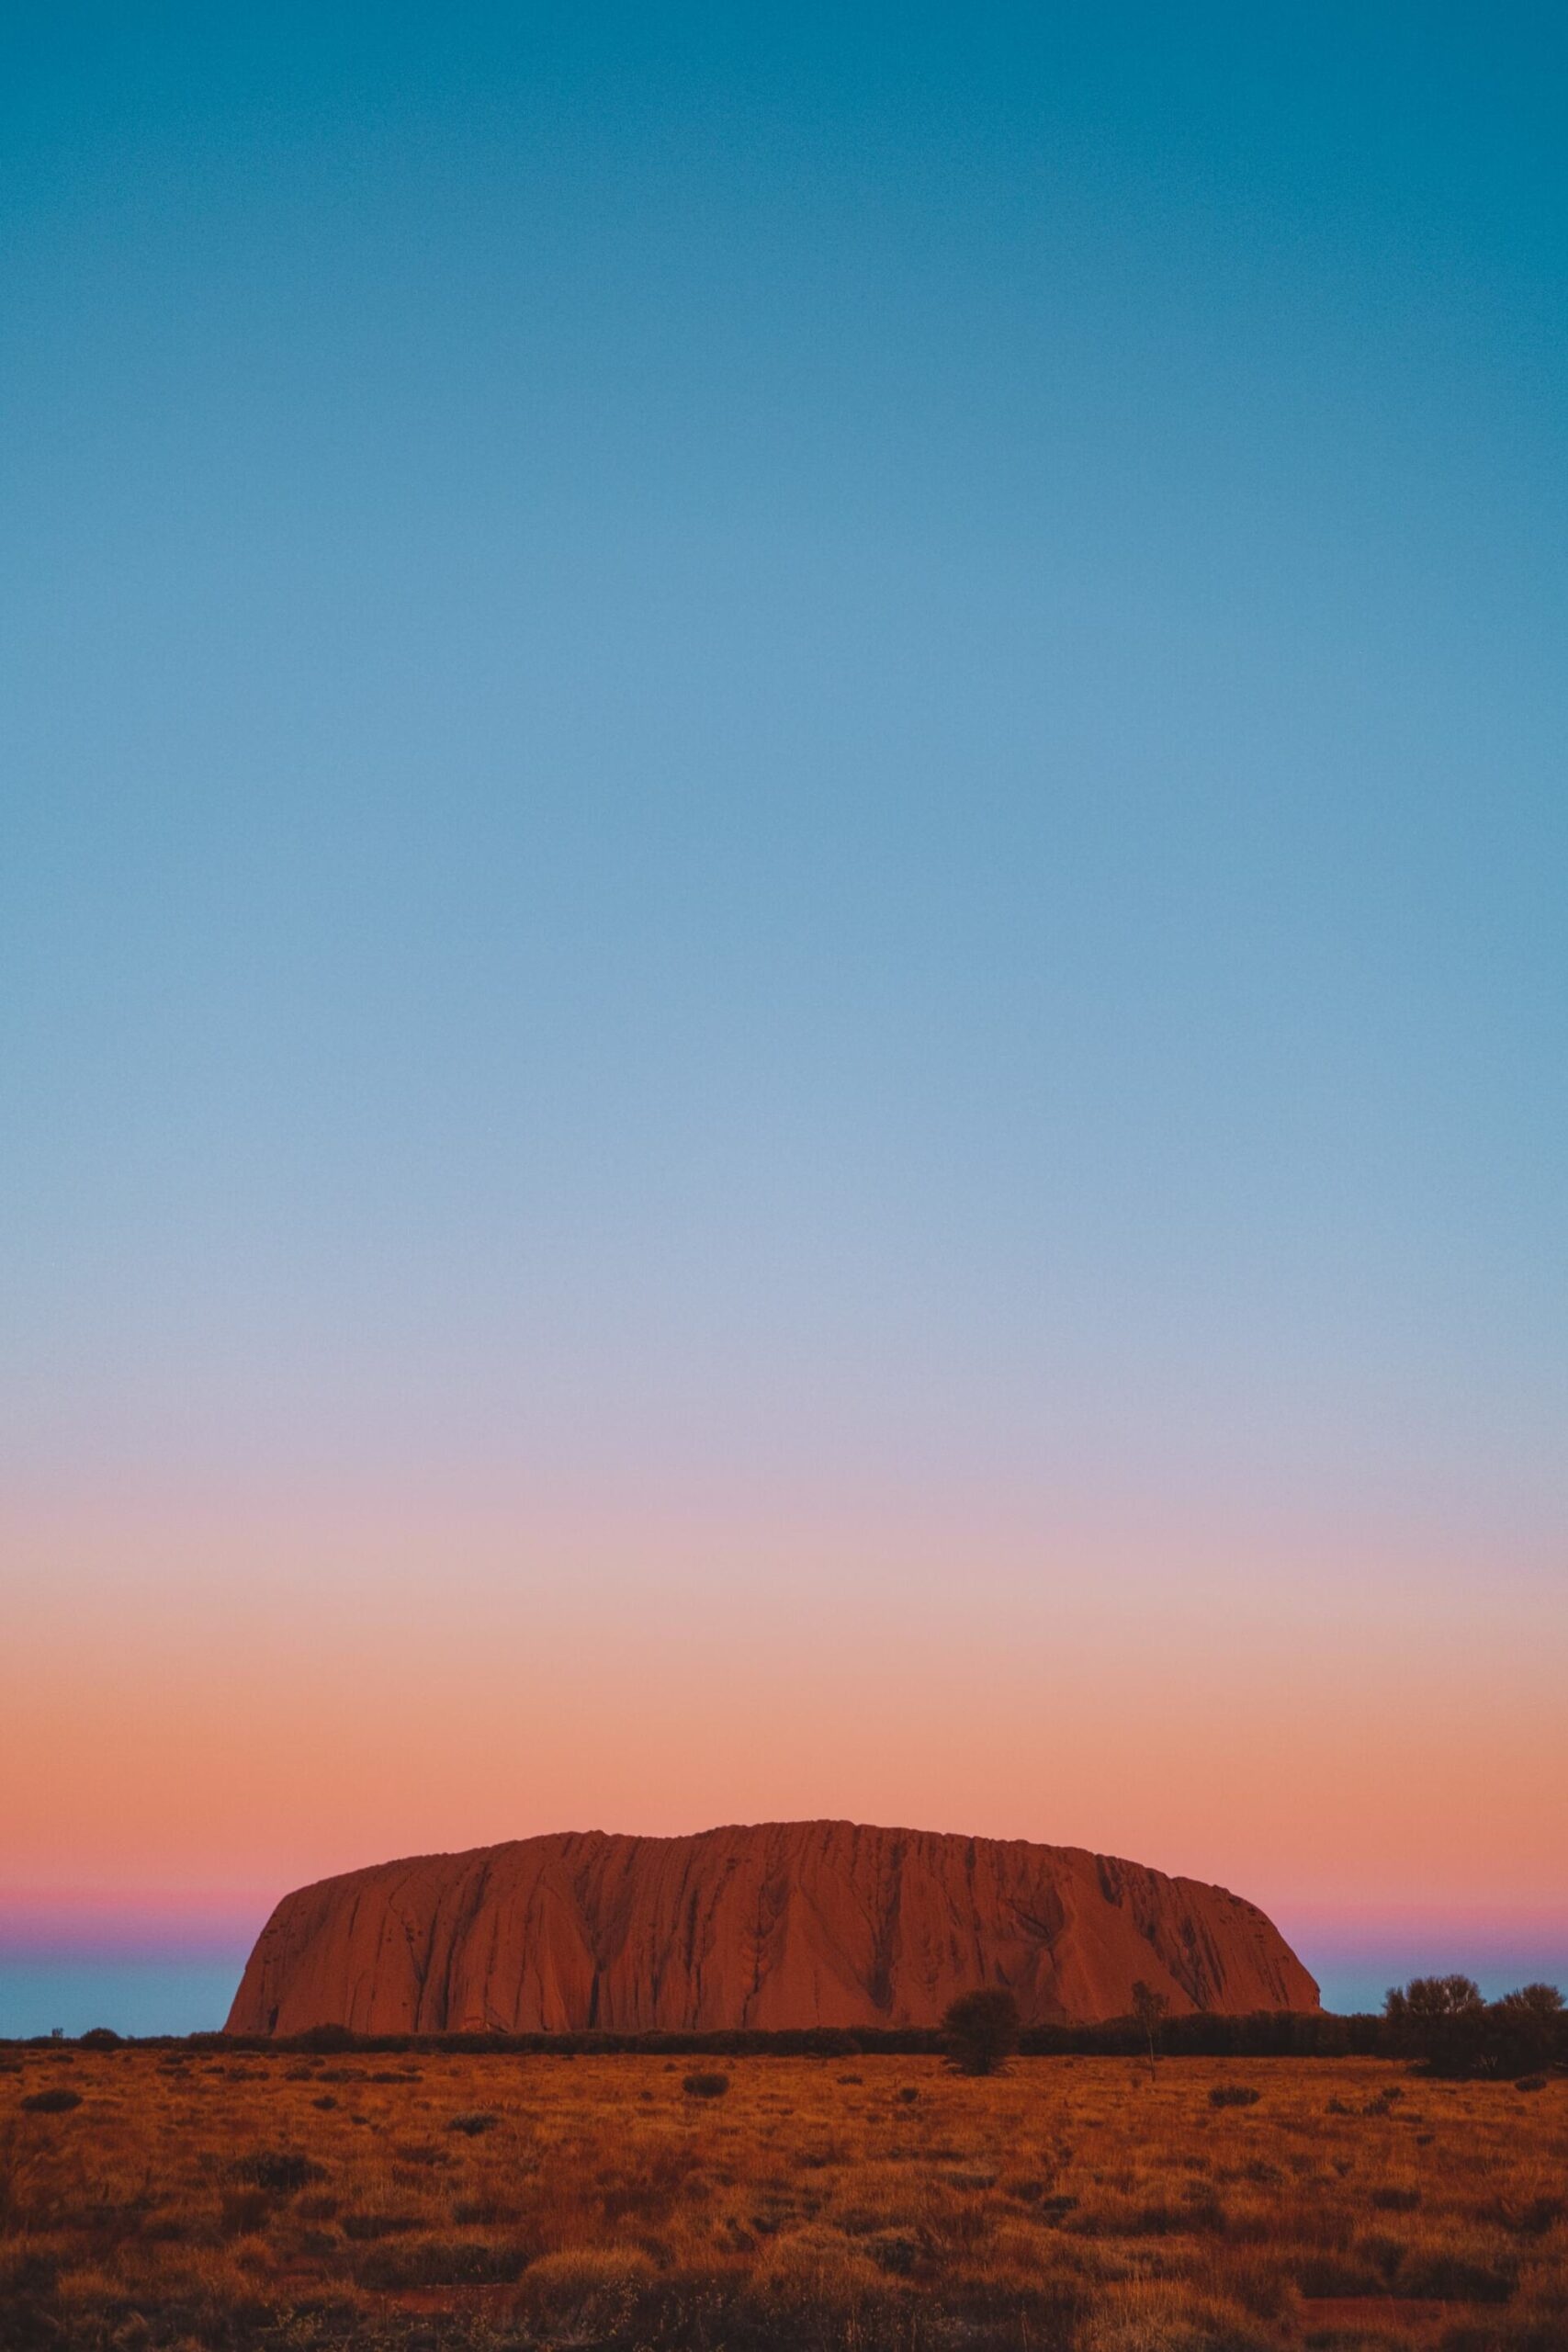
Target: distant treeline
(1270, 2034)
(1440, 2023)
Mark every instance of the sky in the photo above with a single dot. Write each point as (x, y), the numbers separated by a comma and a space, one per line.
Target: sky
(784, 1000)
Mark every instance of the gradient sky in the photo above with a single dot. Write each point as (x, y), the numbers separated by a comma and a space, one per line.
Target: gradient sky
(783, 979)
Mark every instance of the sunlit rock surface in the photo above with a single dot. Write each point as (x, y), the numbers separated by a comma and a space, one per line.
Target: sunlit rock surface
(793, 1924)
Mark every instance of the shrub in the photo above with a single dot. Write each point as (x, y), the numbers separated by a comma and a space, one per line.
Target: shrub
(1233, 2094)
(1386, 2254)
(361, 2228)
(243, 2211)
(28, 2273)
(982, 2029)
(1329, 2277)
(473, 2123)
(1167, 2316)
(895, 2251)
(588, 2292)
(825, 2281)
(280, 2171)
(701, 2085)
(438, 2262)
(1532, 2217)
(326, 2038)
(100, 2037)
(1449, 2276)
(52, 2102)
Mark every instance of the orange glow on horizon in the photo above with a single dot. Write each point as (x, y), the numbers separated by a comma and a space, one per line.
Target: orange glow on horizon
(213, 1723)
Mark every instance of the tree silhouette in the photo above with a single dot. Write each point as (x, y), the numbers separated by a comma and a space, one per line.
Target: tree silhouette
(1441, 2019)
(1527, 2030)
(1533, 2001)
(1149, 2008)
(1427, 1999)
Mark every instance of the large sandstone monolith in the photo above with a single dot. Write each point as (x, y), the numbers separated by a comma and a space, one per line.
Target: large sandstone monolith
(806, 1923)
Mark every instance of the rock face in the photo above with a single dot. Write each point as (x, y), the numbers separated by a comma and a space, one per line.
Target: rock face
(812, 1923)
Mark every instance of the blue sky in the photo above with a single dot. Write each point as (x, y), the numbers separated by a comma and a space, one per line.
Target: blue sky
(802, 751)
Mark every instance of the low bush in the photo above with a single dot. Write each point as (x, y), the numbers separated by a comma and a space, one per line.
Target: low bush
(325, 2039)
(439, 2262)
(1529, 2217)
(1445, 2274)
(362, 2228)
(982, 2029)
(1325, 2277)
(705, 2085)
(280, 2171)
(590, 2293)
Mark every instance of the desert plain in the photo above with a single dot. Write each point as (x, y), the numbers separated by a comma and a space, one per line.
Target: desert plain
(205, 2199)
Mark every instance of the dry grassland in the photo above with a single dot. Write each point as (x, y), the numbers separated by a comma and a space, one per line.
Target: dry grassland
(1071, 2205)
